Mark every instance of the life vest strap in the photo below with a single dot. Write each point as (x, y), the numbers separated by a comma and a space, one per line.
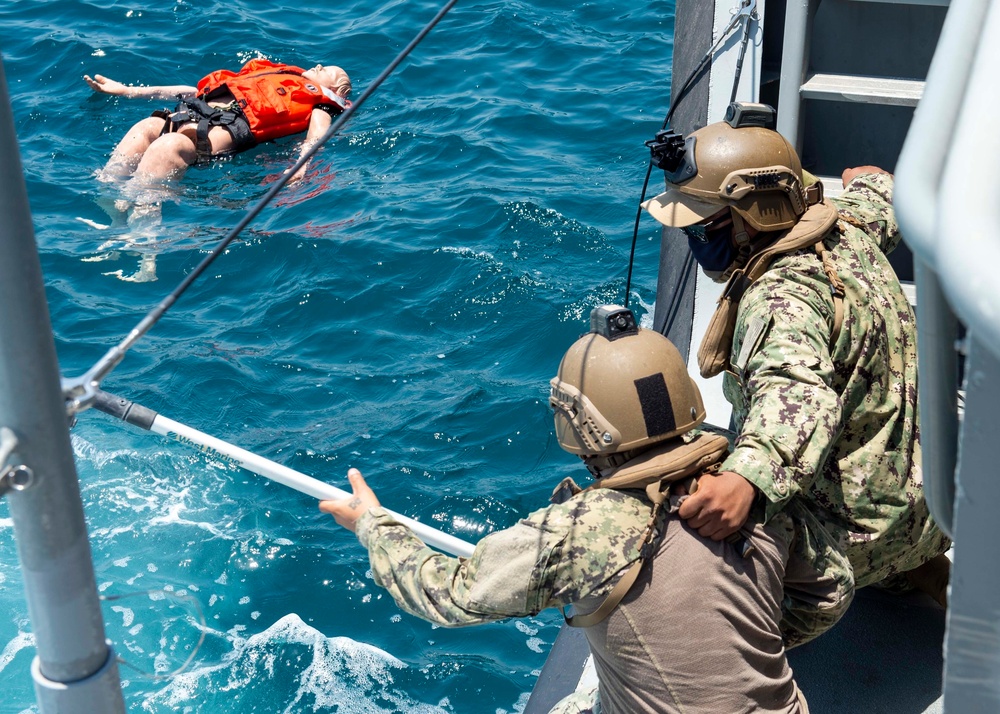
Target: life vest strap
(655, 471)
(198, 110)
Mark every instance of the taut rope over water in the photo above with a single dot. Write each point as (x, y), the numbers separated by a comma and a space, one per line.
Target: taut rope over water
(81, 391)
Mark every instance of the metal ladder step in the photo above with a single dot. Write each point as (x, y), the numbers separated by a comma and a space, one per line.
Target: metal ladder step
(860, 88)
(833, 186)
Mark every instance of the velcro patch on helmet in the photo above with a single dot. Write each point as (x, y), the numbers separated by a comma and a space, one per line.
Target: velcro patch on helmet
(657, 410)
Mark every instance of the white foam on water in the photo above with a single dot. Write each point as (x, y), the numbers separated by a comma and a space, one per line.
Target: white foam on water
(519, 705)
(84, 449)
(467, 252)
(128, 617)
(172, 517)
(93, 224)
(21, 641)
(159, 487)
(341, 673)
(525, 628)
(646, 321)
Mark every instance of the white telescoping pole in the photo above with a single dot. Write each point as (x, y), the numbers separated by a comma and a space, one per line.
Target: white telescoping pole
(146, 418)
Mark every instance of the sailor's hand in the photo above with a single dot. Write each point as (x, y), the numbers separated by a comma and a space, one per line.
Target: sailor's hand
(720, 505)
(851, 174)
(102, 85)
(347, 511)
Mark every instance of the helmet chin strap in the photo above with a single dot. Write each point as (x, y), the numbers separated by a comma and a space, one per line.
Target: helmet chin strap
(740, 238)
(599, 465)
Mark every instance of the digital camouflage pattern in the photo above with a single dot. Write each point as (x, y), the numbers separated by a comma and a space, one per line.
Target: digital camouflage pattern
(556, 556)
(835, 427)
(648, 657)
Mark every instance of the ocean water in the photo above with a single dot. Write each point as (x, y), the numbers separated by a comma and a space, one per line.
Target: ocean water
(400, 310)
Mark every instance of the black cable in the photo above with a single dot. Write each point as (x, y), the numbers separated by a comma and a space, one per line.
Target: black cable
(739, 61)
(685, 88)
(675, 102)
(116, 354)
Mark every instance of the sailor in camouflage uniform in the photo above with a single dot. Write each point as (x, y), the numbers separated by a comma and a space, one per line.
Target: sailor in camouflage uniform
(817, 342)
(676, 622)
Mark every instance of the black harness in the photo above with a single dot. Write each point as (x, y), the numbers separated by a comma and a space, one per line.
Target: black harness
(198, 110)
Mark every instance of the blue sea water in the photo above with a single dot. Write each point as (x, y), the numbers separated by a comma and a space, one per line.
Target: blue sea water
(400, 310)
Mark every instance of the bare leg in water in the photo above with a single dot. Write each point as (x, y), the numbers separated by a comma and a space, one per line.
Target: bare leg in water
(151, 160)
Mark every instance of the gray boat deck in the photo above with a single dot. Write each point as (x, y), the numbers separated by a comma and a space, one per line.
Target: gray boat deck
(884, 657)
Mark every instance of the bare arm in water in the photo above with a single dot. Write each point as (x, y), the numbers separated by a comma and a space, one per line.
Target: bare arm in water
(103, 85)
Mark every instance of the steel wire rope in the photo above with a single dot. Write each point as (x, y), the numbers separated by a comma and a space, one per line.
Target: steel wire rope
(81, 392)
(202, 627)
(746, 12)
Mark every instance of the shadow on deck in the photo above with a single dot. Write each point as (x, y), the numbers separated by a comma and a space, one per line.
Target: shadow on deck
(884, 657)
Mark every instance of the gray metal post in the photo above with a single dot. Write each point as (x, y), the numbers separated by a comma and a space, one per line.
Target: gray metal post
(972, 643)
(794, 63)
(75, 670)
(937, 389)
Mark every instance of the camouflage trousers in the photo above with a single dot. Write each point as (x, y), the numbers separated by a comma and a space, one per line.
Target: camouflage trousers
(819, 579)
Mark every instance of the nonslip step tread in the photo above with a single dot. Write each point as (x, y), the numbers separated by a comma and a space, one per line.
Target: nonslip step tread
(862, 88)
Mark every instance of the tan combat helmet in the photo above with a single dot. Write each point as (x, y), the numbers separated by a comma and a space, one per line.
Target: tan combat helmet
(749, 168)
(621, 387)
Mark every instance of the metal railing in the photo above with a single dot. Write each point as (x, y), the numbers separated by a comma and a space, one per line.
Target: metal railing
(947, 206)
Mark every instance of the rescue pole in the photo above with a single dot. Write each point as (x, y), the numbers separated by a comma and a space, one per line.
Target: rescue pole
(75, 671)
(147, 419)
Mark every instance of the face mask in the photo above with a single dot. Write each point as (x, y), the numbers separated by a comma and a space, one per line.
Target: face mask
(712, 245)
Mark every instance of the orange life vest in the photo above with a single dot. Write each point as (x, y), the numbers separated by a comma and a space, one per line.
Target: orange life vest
(276, 100)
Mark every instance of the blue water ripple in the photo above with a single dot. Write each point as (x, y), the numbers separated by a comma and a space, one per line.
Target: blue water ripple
(400, 310)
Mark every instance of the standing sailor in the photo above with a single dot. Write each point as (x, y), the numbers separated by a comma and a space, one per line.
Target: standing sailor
(819, 349)
(676, 622)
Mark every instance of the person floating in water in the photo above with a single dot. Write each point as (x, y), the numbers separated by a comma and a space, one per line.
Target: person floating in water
(226, 113)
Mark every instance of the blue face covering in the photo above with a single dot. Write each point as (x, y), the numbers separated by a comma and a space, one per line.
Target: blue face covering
(714, 253)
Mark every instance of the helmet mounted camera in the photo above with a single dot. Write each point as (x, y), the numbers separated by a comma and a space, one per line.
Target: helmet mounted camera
(743, 114)
(613, 321)
(674, 154)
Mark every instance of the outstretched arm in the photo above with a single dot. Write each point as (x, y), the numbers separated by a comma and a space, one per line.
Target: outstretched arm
(319, 122)
(556, 556)
(103, 85)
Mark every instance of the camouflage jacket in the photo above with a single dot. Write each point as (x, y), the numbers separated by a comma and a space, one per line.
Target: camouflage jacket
(556, 556)
(836, 425)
